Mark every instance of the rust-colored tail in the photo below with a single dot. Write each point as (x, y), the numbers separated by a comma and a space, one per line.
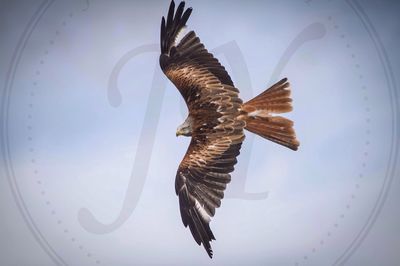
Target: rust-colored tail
(259, 119)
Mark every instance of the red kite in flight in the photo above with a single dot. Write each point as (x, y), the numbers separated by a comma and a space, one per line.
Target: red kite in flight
(216, 122)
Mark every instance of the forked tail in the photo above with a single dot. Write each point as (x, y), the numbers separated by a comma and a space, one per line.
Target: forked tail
(258, 114)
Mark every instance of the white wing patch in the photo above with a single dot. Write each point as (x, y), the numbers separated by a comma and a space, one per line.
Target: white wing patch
(179, 36)
(202, 212)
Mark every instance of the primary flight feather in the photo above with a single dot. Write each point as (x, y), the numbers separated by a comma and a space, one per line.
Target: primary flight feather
(216, 122)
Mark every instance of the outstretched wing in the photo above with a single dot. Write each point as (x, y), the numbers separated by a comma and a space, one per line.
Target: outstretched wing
(217, 136)
(200, 183)
(187, 63)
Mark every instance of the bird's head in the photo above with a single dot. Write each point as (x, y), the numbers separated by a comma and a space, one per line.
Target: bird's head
(185, 129)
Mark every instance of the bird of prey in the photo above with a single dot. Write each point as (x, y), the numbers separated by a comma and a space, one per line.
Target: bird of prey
(216, 122)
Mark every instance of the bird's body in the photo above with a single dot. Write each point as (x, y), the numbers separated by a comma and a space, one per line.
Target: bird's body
(216, 122)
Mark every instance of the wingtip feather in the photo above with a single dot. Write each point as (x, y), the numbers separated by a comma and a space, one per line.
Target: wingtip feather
(171, 12)
(175, 21)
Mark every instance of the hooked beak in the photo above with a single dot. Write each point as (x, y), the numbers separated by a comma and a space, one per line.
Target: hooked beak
(178, 133)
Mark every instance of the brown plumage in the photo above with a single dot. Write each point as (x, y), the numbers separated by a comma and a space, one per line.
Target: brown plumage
(217, 117)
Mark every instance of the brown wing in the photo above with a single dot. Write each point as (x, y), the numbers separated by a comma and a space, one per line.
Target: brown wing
(217, 136)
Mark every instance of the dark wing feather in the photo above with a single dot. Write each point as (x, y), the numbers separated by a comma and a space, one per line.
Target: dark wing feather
(201, 180)
(217, 136)
(190, 50)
